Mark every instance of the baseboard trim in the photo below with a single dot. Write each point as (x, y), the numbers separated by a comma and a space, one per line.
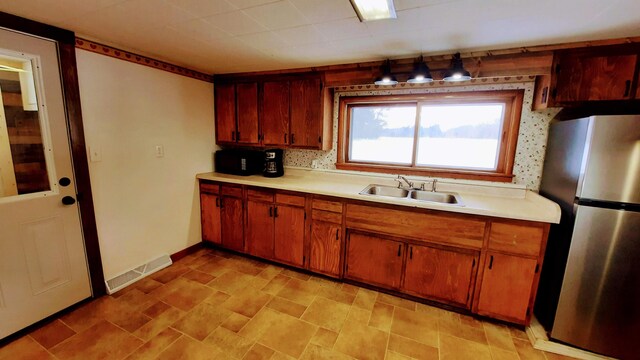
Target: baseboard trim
(184, 252)
(539, 339)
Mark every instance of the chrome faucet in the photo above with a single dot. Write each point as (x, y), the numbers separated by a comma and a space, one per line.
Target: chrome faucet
(433, 185)
(400, 179)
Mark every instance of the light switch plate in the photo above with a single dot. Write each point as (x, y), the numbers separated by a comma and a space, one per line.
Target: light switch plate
(159, 151)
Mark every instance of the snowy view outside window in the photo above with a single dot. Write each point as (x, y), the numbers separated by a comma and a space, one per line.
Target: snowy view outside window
(450, 135)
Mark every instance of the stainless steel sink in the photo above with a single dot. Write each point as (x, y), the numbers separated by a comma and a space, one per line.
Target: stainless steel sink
(448, 198)
(434, 196)
(381, 190)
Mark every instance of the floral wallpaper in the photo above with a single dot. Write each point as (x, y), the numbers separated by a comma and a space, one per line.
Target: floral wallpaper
(532, 138)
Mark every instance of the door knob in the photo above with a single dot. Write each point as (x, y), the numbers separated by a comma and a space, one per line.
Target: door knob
(65, 181)
(68, 200)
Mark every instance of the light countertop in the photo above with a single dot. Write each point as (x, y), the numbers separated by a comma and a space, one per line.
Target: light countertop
(505, 201)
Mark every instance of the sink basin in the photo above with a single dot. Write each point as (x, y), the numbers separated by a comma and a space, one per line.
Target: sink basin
(434, 196)
(448, 198)
(381, 190)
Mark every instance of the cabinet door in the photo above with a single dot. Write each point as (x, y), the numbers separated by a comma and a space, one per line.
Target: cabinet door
(260, 227)
(225, 102)
(247, 109)
(594, 77)
(275, 113)
(375, 260)
(210, 212)
(440, 274)
(506, 287)
(306, 113)
(324, 254)
(289, 234)
(232, 223)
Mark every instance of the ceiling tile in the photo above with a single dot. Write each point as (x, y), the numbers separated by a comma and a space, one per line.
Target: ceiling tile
(278, 15)
(263, 41)
(301, 35)
(203, 8)
(235, 23)
(200, 29)
(343, 29)
(243, 4)
(325, 10)
(412, 4)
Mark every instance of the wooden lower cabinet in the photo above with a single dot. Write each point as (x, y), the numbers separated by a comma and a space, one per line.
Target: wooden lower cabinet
(232, 224)
(325, 247)
(210, 215)
(440, 274)
(259, 230)
(506, 287)
(289, 234)
(374, 259)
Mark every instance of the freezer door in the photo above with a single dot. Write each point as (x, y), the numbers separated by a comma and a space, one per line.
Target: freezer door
(598, 308)
(611, 164)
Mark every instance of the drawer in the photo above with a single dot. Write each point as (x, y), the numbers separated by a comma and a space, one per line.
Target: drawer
(287, 199)
(260, 195)
(439, 228)
(326, 216)
(231, 190)
(516, 238)
(333, 206)
(209, 188)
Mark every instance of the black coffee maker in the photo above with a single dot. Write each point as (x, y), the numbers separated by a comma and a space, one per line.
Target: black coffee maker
(273, 166)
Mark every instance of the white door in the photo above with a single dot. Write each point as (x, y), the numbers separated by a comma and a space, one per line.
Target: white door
(43, 266)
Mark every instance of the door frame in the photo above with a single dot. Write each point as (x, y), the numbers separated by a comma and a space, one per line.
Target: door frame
(65, 41)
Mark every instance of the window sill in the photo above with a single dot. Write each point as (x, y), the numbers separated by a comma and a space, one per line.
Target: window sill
(446, 173)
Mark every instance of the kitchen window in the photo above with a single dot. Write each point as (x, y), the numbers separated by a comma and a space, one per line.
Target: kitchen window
(469, 135)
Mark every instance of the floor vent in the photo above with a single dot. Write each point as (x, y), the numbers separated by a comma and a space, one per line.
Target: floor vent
(131, 276)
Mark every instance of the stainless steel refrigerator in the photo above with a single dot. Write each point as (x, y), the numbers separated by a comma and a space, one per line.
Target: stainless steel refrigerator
(589, 293)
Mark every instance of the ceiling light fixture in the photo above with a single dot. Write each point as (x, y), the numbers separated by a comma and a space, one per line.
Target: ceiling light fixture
(421, 73)
(457, 71)
(369, 10)
(387, 77)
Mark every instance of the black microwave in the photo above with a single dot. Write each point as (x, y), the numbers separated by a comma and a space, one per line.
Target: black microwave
(239, 162)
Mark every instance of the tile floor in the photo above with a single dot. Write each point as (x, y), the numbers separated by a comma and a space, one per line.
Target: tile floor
(213, 305)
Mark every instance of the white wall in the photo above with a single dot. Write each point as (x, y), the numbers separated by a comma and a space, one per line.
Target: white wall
(145, 206)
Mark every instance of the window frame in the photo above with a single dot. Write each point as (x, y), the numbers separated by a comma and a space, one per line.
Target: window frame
(512, 100)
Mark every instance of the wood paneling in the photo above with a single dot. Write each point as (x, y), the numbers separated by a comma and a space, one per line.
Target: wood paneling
(231, 217)
(516, 239)
(260, 229)
(210, 214)
(225, 103)
(247, 113)
(289, 234)
(506, 287)
(325, 247)
(231, 190)
(306, 113)
(327, 205)
(260, 194)
(274, 113)
(442, 274)
(433, 227)
(287, 199)
(374, 259)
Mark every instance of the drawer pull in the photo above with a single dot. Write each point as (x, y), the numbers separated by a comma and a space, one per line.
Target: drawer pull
(490, 262)
(337, 234)
(399, 249)
(275, 211)
(293, 139)
(410, 252)
(270, 211)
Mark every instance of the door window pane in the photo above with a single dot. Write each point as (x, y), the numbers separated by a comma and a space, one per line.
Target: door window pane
(382, 134)
(23, 167)
(460, 136)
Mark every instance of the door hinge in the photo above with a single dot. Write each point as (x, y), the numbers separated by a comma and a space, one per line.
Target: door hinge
(537, 268)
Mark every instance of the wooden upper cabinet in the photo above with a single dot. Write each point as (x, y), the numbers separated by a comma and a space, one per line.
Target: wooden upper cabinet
(440, 274)
(225, 103)
(601, 73)
(325, 245)
(231, 217)
(210, 213)
(247, 110)
(306, 113)
(507, 283)
(259, 230)
(274, 111)
(374, 259)
(289, 234)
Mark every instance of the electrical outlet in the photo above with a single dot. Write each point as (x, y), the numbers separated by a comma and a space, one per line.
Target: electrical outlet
(315, 164)
(159, 151)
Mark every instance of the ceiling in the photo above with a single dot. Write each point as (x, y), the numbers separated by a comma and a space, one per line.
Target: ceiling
(224, 36)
